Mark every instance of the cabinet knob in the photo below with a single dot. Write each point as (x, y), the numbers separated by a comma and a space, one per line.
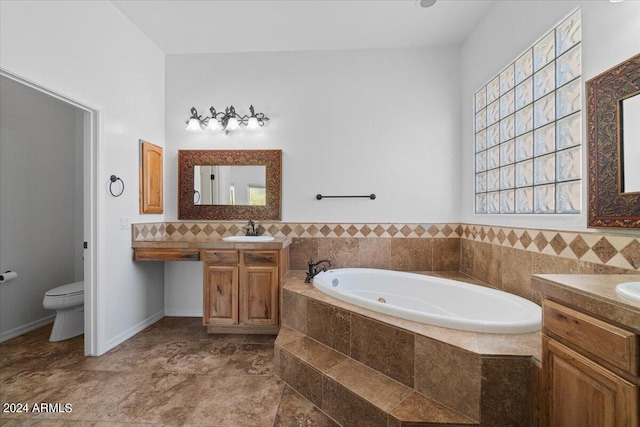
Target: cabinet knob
(219, 290)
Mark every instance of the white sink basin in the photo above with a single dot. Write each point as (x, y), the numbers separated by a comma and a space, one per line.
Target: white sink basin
(248, 239)
(629, 289)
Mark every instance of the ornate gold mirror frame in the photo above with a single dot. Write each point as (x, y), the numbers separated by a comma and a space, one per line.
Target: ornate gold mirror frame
(609, 206)
(188, 159)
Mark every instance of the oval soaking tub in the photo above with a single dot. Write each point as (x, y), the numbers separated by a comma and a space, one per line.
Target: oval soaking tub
(432, 300)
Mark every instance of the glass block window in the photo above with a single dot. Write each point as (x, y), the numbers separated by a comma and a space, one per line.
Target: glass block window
(528, 146)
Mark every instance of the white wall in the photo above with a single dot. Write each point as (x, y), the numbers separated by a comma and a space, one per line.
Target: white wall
(348, 122)
(40, 146)
(610, 35)
(90, 52)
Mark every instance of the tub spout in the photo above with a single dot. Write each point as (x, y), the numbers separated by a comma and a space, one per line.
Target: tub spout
(314, 269)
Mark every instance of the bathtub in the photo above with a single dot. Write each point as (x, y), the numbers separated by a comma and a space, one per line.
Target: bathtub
(432, 300)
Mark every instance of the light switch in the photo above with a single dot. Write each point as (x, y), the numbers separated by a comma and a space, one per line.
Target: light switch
(125, 223)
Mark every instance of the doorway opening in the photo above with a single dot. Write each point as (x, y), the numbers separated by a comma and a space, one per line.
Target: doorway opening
(48, 175)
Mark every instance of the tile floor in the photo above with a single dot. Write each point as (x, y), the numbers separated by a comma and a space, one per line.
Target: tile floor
(172, 373)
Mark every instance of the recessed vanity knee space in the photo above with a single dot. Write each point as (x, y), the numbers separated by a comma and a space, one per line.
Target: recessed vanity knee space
(241, 281)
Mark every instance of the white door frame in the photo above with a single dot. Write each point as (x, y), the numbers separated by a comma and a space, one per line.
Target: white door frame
(92, 136)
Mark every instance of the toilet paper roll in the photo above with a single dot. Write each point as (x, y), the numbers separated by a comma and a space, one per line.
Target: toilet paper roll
(8, 276)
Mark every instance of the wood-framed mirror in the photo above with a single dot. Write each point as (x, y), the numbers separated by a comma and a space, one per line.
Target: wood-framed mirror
(613, 159)
(229, 184)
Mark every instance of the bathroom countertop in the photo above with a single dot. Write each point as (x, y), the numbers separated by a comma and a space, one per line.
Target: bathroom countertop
(593, 293)
(213, 242)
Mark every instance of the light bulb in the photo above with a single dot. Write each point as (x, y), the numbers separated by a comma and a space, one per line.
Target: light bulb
(194, 125)
(232, 124)
(213, 124)
(253, 123)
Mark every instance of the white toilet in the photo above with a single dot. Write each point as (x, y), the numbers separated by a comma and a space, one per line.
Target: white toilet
(68, 300)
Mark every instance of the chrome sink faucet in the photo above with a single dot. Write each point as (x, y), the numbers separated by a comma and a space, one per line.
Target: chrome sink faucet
(314, 270)
(252, 229)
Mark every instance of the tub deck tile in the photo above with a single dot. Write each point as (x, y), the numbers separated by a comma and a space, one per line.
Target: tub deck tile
(417, 410)
(383, 347)
(452, 377)
(286, 335)
(300, 376)
(449, 375)
(330, 325)
(369, 384)
(315, 354)
(349, 409)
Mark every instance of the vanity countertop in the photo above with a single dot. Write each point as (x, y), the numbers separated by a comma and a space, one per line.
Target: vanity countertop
(593, 293)
(213, 242)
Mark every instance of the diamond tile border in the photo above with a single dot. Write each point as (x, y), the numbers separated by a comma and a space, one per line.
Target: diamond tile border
(607, 249)
(149, 231)
(614, 250)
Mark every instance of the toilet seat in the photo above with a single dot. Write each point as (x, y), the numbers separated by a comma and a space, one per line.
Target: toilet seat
(68, 289)
(64, 296)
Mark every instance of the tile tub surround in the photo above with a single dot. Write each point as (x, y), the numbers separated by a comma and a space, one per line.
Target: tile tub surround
(484, 377)
(143, 231)
(506, 258)
(430, 247)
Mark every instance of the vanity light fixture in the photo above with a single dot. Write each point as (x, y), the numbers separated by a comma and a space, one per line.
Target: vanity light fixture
(194, 123)
(228, 120)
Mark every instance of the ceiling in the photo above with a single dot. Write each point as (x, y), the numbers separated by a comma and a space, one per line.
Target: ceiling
(216, 26)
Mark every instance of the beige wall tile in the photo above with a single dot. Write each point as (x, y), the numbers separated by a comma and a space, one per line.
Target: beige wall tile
(374, 253)
(412, 254)
(301, 251)
(446, 254)
(517, 267)
(342, 252)
(467, 248)
(487, 263)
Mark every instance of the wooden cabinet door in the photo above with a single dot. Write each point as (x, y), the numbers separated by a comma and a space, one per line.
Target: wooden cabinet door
(220, 295)
(259, 296)
(582, 393)
(151, 181)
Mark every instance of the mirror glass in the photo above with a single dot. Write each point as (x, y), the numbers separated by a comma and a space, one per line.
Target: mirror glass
(630, 144)
(229, 185)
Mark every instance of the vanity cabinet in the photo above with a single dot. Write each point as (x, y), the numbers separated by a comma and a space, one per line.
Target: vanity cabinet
(241, 290)
(241, 281)
(220, 295)
(590, 370)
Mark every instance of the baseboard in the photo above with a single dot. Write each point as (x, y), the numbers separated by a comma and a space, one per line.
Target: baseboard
(4, 336)
(119, 339)
(182, 313)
